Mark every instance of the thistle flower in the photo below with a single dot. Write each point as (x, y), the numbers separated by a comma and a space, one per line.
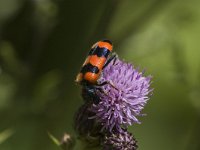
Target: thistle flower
(123, 97)
(119, 141)
(87, 129)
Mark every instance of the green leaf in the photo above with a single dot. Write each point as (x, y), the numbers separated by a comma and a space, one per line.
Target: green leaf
(54, 139)
(5, 135)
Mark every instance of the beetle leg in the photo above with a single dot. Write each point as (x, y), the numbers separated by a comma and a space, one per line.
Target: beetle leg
(114, 56)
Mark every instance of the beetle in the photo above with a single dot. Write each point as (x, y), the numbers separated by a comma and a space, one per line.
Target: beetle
(97, 59)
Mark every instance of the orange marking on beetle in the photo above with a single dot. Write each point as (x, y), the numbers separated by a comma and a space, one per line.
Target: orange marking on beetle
(92, 77)
(97, 61)
(105, 45)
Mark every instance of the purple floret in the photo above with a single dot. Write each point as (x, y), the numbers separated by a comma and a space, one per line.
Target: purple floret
(119, 141)
(123, 97)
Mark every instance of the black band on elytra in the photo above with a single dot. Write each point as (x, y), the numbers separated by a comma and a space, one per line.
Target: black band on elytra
(100, 52)
(89, 68)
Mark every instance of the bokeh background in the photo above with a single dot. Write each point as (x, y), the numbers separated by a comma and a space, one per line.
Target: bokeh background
(43, 43)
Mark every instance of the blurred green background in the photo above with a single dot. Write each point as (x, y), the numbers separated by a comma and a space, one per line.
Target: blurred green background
(43, 43)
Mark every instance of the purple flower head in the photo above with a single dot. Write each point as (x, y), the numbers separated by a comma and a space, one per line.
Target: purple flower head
(123, 97)
(120, 141)
(85, 127)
